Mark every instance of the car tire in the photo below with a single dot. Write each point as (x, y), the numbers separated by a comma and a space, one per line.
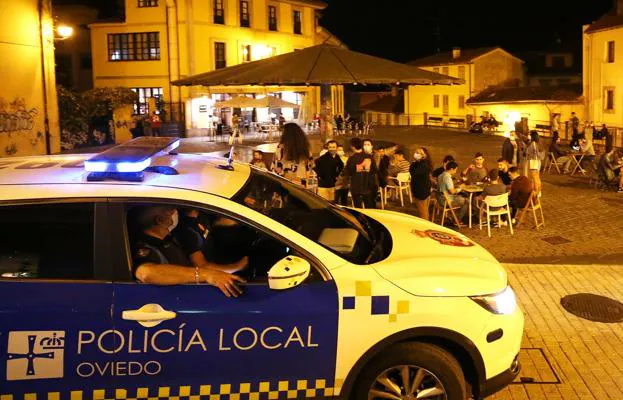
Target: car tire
(440, 370)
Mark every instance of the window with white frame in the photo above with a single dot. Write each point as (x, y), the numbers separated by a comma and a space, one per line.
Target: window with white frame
(436, 101)
(142, 46)
(141, 107)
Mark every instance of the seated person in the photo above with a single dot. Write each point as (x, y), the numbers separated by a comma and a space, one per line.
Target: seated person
(562, 156)
(503, 167)
(610, 164)
(476, 172)
(159, 259)
(494, 188)
(446, 185)
(441, 169)
(521, 190)
(399, 164)
(258, 159)
(586, 147)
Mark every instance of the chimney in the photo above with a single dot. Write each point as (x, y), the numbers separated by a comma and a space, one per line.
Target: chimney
(456, 51)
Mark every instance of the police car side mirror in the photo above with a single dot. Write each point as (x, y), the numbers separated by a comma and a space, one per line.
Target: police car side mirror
(288, 272)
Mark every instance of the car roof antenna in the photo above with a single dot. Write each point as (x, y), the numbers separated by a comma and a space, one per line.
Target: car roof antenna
(230, 160)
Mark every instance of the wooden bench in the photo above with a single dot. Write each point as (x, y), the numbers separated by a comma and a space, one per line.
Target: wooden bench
(459, 122)
(543, 128)
(434, 120)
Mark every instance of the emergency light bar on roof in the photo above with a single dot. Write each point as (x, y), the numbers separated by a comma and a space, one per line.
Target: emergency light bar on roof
(128, 161)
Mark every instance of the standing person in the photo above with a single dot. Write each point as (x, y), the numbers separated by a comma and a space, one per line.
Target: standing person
(384, 162)
(575, 126)
(328, 168)
(361, 171)
(341, 183)
(147, 125)
(368, 148)
(608, 137)
(555, 124)
(420, 171)
(292, 158)
(511, 149)
(155, 124)
(533, 161)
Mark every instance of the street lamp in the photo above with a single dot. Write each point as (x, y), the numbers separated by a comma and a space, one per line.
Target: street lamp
(63, 32)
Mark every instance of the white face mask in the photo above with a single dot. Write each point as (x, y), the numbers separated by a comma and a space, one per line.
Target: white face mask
(367, 149)
(417, 156)
(340, 153)
(175, 217)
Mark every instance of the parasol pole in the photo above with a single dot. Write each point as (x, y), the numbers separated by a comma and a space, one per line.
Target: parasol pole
(326, 121)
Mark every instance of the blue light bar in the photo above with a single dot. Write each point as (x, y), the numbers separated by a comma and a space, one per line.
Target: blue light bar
(131, 157)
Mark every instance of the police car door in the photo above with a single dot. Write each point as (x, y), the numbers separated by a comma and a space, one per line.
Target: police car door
(55, 293)
(264, 344)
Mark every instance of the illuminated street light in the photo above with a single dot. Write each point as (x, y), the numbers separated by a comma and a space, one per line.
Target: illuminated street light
(64, 31)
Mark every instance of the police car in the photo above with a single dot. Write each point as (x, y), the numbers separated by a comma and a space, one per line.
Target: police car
(340, 303)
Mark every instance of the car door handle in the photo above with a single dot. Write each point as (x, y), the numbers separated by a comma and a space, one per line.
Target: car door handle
(149, 315)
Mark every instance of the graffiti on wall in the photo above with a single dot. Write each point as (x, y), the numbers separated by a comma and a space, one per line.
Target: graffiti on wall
(15, 116)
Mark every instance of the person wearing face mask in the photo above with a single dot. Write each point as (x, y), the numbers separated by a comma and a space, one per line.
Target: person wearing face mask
(362, 173)
(512, 148)
(159, 259)
(328, 167)
(421, 184)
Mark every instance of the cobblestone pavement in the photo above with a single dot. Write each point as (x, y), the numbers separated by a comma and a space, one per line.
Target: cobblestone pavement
(567, 357)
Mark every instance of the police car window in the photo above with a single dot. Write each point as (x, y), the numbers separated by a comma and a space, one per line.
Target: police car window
(348, 233)
(220, 239)
(47, 241)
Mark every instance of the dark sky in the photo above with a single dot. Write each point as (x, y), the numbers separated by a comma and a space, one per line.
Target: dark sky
(403, 30)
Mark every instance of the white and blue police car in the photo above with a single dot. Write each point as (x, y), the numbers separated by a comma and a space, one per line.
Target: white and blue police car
(340, 303)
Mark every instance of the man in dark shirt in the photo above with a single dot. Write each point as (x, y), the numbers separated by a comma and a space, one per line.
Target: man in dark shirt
(503, 167)
(521, 190)
(442, 169)
(159, 259)
(328, 167)
(362, 172)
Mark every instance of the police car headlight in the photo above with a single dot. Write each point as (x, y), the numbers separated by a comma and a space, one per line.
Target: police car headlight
(499, 303)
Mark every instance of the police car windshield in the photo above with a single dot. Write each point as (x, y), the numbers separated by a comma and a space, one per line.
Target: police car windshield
(347, 233)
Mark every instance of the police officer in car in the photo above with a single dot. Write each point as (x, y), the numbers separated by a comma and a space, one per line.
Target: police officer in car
(160, 260)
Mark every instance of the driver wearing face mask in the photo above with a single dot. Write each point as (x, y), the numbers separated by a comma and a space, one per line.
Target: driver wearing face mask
(159, 259)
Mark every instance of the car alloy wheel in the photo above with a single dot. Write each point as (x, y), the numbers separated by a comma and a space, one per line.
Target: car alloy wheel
(407, 382)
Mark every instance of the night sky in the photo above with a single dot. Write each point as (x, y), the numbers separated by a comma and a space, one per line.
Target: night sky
(404, 30)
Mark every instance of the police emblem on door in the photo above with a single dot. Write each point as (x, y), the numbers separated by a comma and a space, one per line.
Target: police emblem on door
(35, 355)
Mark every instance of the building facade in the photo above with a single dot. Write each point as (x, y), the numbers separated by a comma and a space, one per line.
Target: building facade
(479, 68)
(28, 105)
(603, 63)
(160, 41)
(73, 56)
(555, 67)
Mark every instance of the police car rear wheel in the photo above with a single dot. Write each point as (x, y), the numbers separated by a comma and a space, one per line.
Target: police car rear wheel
(410, 371)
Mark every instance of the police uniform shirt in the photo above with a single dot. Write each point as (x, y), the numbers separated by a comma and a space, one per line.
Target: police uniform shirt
(150, 249)
(193, 235)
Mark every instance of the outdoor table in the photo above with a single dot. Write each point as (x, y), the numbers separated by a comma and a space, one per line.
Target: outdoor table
(471, 189)
(577, 163)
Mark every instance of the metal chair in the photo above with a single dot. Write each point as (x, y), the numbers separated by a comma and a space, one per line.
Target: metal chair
(400, 183)
(495, 206)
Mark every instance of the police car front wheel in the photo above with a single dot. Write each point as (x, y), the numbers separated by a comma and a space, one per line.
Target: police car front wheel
(409, 371)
